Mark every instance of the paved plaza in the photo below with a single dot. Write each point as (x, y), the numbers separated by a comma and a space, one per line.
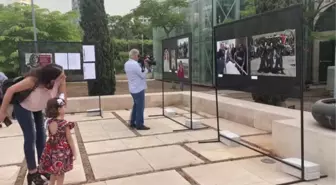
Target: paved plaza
(169, 154)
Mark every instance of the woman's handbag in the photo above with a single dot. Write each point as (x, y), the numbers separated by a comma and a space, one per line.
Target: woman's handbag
(19, 96)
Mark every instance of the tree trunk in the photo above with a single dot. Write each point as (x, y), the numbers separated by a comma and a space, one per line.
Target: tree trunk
(94, 24)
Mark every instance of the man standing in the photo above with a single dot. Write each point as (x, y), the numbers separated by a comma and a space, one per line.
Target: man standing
(137, 85)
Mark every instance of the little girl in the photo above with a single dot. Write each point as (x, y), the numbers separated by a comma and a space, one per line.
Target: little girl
(180, 74)
(59, 152)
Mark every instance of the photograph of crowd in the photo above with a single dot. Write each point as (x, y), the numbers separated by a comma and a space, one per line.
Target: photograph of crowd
(183, 48)
(166, 61)
(173, 65)
(231, 57)
(273, 54)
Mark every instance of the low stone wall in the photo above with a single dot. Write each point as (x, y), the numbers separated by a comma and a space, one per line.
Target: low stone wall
(319, 142)
(256, 115)
(120, 102)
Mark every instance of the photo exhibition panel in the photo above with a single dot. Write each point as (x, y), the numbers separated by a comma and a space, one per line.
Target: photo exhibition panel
(176, 57)
(261, 54)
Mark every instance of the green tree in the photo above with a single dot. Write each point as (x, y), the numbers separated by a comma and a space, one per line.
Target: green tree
(163, 14)
(95, 27)
(249, 9)
(128, 27)
(16, 26)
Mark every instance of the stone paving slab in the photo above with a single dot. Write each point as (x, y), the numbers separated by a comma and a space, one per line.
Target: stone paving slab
(268, 172)
(168, 157)
(159, 126)
(178, 137)
(234, 127)
(103, 130)
(148, 114)
(219, 151)
(241, 172)
(11, 131)
(117, 164)
(104, 146)
(200, 135)
(145, 141)
(162, 178)
(263, 141)
(194, 116)
(12, 150)
(222, 173)
(77, 174)
(8, 175)
(83, 116)
(141, 142)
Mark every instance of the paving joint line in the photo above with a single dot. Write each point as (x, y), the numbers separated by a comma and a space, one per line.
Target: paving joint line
(166, 169)
(158, 134)
(22, 173)
(13, 164)
(187, 177)
(141, 148)
(98, 119)
(6, 137)
(126, 124)
(89, 175)
(195, 153)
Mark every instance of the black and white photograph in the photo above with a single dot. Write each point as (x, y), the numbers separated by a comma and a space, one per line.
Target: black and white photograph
(185, 64)
(173, 65)
(231, 57)
(166, 60)
(273, 54)
(183, 48)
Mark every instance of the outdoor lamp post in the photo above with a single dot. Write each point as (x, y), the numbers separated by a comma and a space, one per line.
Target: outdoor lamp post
(34, 25)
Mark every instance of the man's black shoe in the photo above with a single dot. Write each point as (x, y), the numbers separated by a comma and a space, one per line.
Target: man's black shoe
(132, 126)
(143, 128)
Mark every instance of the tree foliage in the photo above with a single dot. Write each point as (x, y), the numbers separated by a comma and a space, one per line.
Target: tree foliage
(128, 27)
(95, 27)
(249, 9)
(122, 46)
(16, 25)
(164, 14)
(270, 5)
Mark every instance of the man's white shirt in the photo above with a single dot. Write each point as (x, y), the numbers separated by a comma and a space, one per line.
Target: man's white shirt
(136, 78)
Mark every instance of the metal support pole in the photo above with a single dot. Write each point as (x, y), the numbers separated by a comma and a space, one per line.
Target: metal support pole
(34, 25)
(237, 9)
(335, 74)
(214, 23)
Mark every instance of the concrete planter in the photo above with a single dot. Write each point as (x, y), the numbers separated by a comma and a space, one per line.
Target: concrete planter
(324, 112)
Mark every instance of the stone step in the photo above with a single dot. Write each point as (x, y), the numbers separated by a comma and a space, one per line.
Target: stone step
(196, 123)
(312, 170)
(227, 134)
(94, 112)
(169, 112)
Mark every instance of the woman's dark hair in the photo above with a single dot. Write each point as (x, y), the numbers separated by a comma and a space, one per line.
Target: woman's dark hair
(46, 73)
(52, 108)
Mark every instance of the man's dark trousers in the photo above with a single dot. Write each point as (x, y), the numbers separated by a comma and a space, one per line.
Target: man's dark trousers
(137, 115)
